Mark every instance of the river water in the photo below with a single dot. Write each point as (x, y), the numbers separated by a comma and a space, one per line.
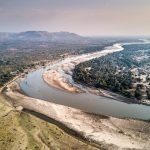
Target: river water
(33, 85)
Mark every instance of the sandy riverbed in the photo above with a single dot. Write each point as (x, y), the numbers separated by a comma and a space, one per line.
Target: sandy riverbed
(60, 76)
(53, 78)
(111, 133)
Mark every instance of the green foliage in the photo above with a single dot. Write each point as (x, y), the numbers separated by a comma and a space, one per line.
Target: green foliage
(113, 71)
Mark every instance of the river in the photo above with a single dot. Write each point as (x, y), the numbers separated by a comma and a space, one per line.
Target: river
(33, 85)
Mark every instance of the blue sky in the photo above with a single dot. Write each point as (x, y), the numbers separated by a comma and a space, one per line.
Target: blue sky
(85, 17)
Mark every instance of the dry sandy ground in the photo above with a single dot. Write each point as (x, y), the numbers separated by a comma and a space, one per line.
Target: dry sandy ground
(110, 132)
(20, 130)
(53, 78)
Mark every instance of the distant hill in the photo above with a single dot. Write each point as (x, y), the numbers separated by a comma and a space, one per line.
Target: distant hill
(60, 37)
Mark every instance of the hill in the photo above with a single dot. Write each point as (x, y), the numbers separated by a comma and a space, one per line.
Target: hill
(58, 37)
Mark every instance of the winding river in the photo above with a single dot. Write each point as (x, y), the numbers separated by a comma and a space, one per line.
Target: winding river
(33, 85)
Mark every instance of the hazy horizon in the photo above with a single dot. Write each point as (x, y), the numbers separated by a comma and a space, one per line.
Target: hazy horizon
(83, 17)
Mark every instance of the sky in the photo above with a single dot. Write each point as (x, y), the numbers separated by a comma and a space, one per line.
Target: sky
(84, 17)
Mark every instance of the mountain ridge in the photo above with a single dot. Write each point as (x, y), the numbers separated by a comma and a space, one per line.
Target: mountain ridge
(62, 36)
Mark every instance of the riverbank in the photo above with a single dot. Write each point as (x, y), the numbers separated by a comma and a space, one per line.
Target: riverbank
(24, 130)
(108, 132)
(55, 79)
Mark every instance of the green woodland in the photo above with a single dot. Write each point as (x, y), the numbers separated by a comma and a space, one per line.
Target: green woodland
(126, 72)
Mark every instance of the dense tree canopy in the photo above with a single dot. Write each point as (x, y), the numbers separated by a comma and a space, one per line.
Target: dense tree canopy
(125, 72)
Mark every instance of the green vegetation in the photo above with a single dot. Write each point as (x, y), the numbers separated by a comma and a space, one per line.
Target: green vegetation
(16, 56)
(125, 72)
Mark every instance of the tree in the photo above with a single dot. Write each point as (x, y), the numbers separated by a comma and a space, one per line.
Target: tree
(148, 93)
(127, 94)
(138, 94)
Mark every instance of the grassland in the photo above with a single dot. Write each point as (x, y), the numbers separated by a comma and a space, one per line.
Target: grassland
(23, 131)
